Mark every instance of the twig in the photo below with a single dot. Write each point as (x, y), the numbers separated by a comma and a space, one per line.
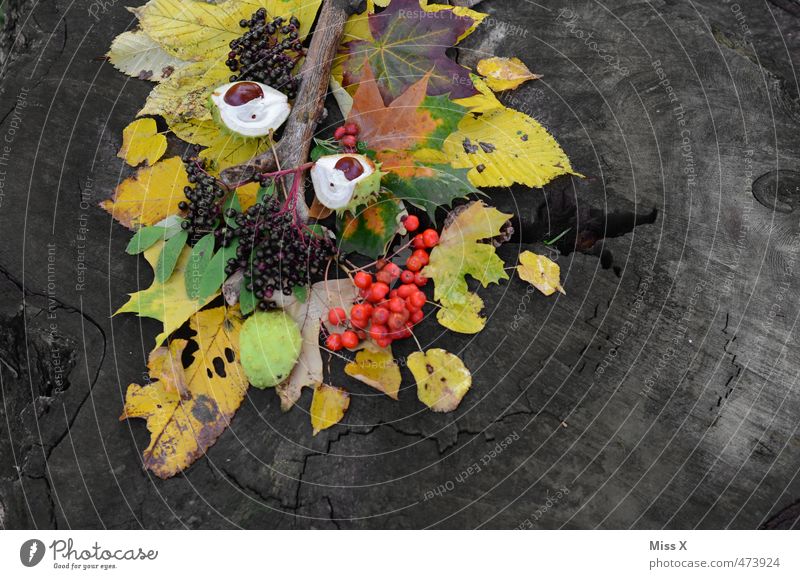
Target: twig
(298, 134)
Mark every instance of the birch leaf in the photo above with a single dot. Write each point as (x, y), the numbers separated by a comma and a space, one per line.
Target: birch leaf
(504, 73)
(541, 272)
(328, 406)
(378, 369)
(442, 379)
(136, 54)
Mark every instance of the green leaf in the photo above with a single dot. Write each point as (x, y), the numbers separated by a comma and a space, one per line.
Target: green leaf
(447, 115)
(322, 148)
(317, 229)
(300, 292)
(247, 300)
(214, 275)
(169, 256)
(264, 192)
(371, 228)
(145, 238)
(407, 42)
(232, 202)
(428, 193)
(198, 262)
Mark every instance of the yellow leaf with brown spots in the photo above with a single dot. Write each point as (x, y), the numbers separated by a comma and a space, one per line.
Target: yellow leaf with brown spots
(377, 369)
(442, 379)
(142, 142)
(328, 406)
(541, 272)
(150, 195)
(187, 410)
(504, 73)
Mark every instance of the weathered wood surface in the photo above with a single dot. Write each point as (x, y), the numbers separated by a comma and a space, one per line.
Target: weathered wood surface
(661, 391)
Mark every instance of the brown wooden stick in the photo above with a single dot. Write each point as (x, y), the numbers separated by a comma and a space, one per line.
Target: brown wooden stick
(294, 146)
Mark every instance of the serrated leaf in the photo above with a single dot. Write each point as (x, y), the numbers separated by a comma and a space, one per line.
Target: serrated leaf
(440, 188)
(214, 274)
(199, 259)
(186, 411)
(462, 317)
(149, 196)
(371, 228)
(145, 238)
(405, 43)
(460, 253)
(141, 142)
(169, 256)
(541, 272)
(222, 149)
(184, 95)
(136, 54)
(328, 407)
(378, 369)
(504, 73)
(168, 302)
(442, 379)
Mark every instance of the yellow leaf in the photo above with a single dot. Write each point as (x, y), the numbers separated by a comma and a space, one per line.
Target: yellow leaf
(377, 369)
(199, 30)
(223, 149)
(502, 146)
(504, 73)
(168, 302)
(150, 195)
(184, 95)
(541, 272)
(142, 142)
(442, 379)
(459, 254)
(184, 422)
(328, 406)
(138, 55)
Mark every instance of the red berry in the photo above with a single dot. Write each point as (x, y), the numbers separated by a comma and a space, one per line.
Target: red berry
(397, 304)
(414, 263)
(362, 335)
(384, 276)
(368, 311)
(422, 255)
(396, 321)
(380, 316)
(349, 141)
(351, 129)
(393, 294)
(430, 237)
(407, 276)
(378, 332)
(358, 312)
(418, 299)
(334, 342)
(349, 339)
(380, 264)
(406, 290)
(384, 342)
(359, 324)
(419, 241)
(406, 333)
(339, 133)
(416, 317)
(377, 292)
(393, 270)
(336, 316)
(420, 280)
(411, 223)
(362, 280)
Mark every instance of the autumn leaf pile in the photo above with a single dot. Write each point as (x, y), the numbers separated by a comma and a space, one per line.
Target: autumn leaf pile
(437, 131)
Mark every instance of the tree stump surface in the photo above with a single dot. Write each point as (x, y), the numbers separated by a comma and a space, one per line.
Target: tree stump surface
(660, 392)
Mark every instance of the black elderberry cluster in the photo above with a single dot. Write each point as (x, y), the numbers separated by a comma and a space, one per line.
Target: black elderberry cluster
(267, 52)
(204, 199)
(274, 251)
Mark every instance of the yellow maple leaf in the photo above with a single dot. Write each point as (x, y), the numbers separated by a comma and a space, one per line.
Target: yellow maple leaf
(459, 254)
(186, 411)
(328, 406)
(378, 369)
(442, 379)
(500, 146)
(541, 272)
(141, 142)
(150, 195)
(167, 302)
(504, 73)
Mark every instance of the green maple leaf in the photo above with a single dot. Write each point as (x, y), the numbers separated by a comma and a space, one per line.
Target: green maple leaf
(439, 190)
(408, 41)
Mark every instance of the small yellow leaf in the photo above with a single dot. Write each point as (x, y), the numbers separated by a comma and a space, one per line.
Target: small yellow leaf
(186, 411)
(142, 142)
(463, 317)
(541, 272)
(168, 302)
(150, 195)
(504, 73)
(377, 369)
(442, 379)
(328, 406)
